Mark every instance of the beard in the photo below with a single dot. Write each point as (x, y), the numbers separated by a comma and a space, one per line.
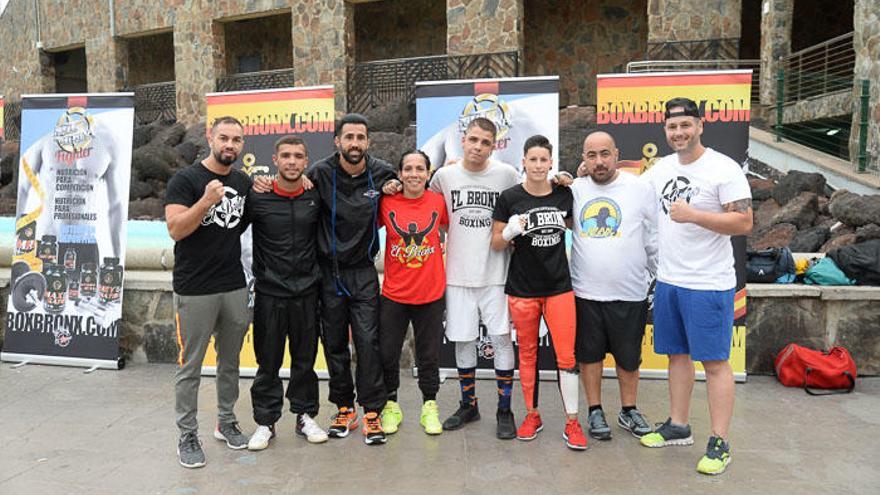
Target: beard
(218, 155)
(352, 156)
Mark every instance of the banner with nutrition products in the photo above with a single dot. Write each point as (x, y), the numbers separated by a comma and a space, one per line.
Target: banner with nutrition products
(65, 301)
(267, 115)
(631, 107)
(520, 107)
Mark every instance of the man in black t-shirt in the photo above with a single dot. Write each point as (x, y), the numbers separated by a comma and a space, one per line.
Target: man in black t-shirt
(204, 205)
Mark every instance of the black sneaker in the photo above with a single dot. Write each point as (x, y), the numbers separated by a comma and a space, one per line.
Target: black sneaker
(232, 435)
(598, 426)
(634, 421)
(189, 451)
(466, 413)
(506, 425)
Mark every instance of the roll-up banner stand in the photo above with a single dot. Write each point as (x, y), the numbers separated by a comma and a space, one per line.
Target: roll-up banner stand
(267, 115)
(65, 302)
(520, 108)
(630, 108)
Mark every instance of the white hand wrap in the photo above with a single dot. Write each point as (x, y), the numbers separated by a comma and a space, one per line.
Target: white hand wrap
(512, 229)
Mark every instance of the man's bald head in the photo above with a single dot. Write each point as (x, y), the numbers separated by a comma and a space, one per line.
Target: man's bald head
(600, 156)
(598, 138)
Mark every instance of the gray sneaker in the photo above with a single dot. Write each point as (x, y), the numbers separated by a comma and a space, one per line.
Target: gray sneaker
(232, 435)
(597, 425)
(189, 451)
(668, 434)
(634, 422)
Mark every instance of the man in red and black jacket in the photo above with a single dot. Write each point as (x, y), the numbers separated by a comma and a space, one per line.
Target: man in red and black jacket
(287, 287)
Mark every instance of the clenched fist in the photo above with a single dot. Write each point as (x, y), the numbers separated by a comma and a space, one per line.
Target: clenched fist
(680, 211)
(214, 192)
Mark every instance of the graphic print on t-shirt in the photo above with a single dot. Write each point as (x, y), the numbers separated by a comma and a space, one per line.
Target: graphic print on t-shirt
(677, 188)
(544, 225)
(478, 201)
(227, 213)
(600, 218)
(413, 247)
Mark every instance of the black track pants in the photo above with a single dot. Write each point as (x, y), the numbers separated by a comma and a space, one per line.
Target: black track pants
(427, 322)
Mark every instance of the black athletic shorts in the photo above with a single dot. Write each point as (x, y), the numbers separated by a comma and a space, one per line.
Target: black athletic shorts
(610, 326)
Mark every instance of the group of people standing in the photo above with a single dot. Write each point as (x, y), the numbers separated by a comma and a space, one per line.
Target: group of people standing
(315, 239)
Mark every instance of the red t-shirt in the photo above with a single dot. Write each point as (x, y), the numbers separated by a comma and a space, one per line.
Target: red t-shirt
(414, 272)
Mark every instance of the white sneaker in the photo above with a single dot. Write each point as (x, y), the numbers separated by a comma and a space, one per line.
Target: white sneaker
(260, 439)
(308, 428)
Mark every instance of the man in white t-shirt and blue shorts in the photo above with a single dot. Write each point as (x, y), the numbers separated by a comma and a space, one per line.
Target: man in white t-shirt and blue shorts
(703, 199)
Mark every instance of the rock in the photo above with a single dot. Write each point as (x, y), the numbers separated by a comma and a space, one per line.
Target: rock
(139, 190)
(800, 211)
(577, 117)
(809, 240)
(762, 216)
(188, 151)
(146, 209)
(391, 116)
(795, 183)
(169, 136)
(838, 242)
(389, 146)
(158, 187)
(143, 134)
(155, 162)
(822, 203)
(776, 236)
(868, 232)
(571, 145)
(7, 207)
(853, 209)
(8, 164)
(824, 221)
(9, 190)
(761, 188)
(196, 134)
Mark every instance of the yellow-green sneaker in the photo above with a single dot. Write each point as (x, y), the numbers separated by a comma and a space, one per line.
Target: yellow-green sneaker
(717, 457)
(392, 416)
(668, 434)
(430, 419)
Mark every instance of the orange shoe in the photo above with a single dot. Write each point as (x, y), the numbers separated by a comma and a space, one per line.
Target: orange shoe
(574, 435)
(373, 432)
(530, 427)
(345, 420)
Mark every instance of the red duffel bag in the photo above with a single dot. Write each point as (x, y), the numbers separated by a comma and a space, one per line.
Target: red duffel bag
(798, 366)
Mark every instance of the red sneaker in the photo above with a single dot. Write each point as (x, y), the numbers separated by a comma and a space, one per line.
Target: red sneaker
(530, 427)
(574, 435)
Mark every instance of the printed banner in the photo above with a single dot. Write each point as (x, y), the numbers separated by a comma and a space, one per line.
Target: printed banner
(266, 116)
(520, 108)
(630, 108)
(65, 303)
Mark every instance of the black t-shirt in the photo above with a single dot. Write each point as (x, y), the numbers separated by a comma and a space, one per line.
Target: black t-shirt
(539, 265)
(208, 261)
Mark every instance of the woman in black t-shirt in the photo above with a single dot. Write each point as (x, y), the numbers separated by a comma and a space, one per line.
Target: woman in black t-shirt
(533, 217)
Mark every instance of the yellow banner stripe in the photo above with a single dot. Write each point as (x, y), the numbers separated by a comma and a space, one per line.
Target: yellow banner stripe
(277, 110)
(658, 94)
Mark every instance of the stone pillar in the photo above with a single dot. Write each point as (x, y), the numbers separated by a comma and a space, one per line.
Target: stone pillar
(776, 19)
(866, 44)
(323, 42)
(482, 26)
(687, 20)
(199, 51)
(106, 63)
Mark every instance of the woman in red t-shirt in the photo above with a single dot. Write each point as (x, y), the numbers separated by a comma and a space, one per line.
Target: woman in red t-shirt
(413, 287)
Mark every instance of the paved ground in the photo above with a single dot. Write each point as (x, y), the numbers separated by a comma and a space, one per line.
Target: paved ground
(113, 433)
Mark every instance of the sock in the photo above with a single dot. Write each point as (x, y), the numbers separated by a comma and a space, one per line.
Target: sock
(593, 408)
(626, 409)
(427, 397)
(393, 396)
(568, 388)
(467, 382)
(505, 387)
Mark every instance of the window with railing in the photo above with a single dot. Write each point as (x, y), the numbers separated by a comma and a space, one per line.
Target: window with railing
(246, 81)
(819, 69)
(154, 101)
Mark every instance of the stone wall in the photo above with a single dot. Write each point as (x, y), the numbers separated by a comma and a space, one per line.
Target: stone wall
(831, 105)
(775, 43)
(578, 40)
(867, 48)
(408, 28)
(22, 71)
(684, 20)
(150, 59)
(264, 38)
(481, 26)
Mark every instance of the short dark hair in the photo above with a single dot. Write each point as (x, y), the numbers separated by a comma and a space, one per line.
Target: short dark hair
(689, 106)
(484, 124)
(351, 118)
(537, 141)
(291, 139)
(414, 152)
(226, 119)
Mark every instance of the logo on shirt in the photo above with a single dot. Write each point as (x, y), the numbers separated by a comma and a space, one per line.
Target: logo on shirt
(600, 218)
(479, 201)
(228, 212)
(544, 225)
(677, 188)
(412, 249)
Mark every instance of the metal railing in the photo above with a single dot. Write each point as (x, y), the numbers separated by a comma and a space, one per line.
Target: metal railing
(11, 120)
(372, 83)
(819, 69)
(711, 49)
(154, 101)
(266, 79)
(692, 65)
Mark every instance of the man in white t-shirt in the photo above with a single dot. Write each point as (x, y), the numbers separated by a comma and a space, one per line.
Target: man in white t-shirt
(475, 274)
(703, 199)
(613, 255)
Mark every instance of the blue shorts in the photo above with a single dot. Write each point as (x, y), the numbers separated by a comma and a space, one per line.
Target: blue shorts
(695, 322)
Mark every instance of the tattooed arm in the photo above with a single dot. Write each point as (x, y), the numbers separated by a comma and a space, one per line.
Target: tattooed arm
(735, 220)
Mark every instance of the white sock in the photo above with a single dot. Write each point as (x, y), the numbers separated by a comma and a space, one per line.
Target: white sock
(568, 387)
